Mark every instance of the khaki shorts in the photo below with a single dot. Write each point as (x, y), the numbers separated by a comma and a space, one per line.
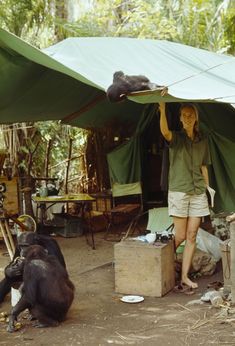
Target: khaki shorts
(182, 204)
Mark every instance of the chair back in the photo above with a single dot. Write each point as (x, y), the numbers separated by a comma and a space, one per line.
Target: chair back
(131, 189)
(119, 190)
(159, 220)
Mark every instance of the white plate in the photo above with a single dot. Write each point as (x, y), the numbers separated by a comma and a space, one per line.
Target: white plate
(132, 299)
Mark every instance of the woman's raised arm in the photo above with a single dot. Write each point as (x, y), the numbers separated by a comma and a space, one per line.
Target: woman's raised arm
(167, 134)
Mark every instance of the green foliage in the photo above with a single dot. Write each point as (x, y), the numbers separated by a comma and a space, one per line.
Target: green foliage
(29, 19)
(229, 31)
(202, 24)
(207, 24)
(59, 135)
(34, 21)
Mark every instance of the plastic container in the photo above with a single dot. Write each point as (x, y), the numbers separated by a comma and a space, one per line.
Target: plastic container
(151, 237)
(15, 296)
(43, 190)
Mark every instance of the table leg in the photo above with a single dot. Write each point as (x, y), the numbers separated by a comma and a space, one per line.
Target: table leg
(91, 230)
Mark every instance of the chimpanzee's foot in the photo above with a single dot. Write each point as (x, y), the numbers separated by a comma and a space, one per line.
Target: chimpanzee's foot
(39, 324)
(10, 327)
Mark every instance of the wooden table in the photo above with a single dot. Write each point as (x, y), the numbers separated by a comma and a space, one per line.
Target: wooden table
(44, 203)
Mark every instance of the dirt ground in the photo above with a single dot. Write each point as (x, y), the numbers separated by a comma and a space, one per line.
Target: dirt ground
(98, 317)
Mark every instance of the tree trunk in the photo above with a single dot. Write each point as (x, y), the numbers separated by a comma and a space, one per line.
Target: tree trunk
(97, 148)
(62, 14)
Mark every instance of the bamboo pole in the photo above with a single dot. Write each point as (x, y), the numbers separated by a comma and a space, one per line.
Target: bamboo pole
(6, 239)
(65, 161)
(9, 235)
(68, 165)
(48, 151)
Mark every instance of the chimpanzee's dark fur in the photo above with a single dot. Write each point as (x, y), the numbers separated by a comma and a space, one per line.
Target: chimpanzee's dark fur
(46, 290)
(14, 270)
(124, 84)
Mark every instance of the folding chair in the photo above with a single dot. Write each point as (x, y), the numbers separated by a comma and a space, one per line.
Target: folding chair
(158, 221)
(127, 204)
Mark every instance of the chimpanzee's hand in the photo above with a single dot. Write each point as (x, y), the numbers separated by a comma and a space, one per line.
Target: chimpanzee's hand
(15, 269)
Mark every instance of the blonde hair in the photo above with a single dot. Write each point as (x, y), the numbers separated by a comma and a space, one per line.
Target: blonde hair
(192, 106)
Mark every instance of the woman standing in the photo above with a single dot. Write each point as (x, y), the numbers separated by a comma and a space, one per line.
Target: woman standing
(188, 179)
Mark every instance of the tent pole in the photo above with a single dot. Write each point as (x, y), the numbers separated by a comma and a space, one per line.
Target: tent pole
(84, 109)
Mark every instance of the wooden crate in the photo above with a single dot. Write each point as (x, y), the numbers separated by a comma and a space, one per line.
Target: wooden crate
(11, 200)
(144, 269)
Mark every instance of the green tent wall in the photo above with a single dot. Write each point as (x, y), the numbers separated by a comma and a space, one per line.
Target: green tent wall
(218, 122)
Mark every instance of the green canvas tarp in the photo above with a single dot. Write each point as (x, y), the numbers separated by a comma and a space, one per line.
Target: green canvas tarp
(68, 81)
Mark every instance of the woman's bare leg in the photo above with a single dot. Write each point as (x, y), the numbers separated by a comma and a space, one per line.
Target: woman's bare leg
(190, 245)
(180, 226)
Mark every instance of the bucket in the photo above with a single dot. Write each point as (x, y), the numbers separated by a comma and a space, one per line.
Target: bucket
(15, 296)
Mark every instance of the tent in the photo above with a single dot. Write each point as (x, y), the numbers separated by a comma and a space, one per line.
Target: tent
(67, 82)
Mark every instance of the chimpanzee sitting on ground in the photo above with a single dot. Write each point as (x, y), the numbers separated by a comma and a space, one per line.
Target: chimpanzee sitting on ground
(124, 84)
(14, 270)
(46, 290)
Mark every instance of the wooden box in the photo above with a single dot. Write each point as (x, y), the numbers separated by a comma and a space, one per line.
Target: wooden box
(144, 269)
(11, 197)
(11, 200)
